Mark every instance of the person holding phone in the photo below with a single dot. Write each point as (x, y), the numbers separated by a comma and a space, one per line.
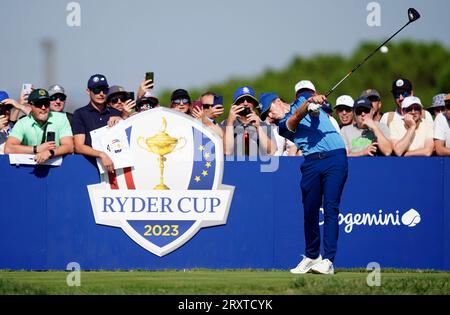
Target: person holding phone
(30, 135)
(181, 101)
(245, 133)
(202, 111)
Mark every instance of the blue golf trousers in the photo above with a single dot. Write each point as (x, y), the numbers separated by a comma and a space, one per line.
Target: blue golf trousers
(323, 177)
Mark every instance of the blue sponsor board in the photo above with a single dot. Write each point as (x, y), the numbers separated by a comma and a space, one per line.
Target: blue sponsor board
(394, 211)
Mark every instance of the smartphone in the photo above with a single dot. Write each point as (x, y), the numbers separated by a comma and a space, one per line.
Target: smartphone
(50, 136)
(218, 100)
(197, 104)
(2, 110)
(131, 95)
(150, 76)
(27, 88)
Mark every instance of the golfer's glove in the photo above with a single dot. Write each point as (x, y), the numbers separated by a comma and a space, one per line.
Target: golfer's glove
(314, 109)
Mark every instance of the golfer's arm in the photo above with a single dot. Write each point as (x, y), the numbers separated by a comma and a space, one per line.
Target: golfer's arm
(298, 115)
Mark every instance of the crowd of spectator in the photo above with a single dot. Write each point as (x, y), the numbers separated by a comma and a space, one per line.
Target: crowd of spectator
(38, 124)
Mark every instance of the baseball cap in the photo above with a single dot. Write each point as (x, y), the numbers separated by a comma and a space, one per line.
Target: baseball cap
(244, 91)
(438, 100)
(362, 102)
(55, 89)
(304, 84)
(97, 80)
(3, 96)
(180, 93)
(345, 100)
(115, 89)
(151, 100)
(266, 100)
(38, 94)
(410, 100)
(370, 93)
(401, 84)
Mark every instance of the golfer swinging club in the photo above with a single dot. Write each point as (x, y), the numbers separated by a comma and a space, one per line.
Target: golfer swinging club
(324, 173)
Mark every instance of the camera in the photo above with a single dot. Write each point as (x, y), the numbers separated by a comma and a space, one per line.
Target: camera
(245, 111)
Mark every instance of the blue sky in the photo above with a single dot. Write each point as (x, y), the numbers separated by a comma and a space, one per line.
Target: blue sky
(191, 43)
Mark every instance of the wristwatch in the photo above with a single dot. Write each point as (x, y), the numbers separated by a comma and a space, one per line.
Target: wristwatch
(52, 153)
(34, 149)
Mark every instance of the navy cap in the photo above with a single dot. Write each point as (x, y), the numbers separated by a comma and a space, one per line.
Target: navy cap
(362, 102)
(244, 91)
(400, 85)
(97, 80)
(266, 100)
(3, 96)
(180, 93)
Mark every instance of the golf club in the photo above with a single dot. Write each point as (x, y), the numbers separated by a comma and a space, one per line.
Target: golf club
(413, 15)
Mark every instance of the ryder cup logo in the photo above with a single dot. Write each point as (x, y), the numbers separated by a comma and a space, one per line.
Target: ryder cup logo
(167, 182)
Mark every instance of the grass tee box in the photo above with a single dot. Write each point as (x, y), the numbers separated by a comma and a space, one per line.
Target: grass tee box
(227, 282)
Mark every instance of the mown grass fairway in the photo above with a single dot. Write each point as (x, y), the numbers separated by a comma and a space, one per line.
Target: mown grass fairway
(199, 282)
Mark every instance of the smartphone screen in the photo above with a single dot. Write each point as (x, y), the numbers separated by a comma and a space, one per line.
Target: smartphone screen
(150, 76)
(197, 104)
(50, 136)
(218, 100)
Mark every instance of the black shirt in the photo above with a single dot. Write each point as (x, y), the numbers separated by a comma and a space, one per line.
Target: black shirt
(87, 118)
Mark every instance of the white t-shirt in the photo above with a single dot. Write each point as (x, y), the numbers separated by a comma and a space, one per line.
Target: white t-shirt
(442, 129)
(397, 116)
(421, 134)
(282, 143)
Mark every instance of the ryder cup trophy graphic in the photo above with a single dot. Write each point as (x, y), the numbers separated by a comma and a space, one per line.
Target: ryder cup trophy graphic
(161, 144)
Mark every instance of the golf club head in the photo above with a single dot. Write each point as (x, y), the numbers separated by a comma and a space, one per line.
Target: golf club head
(413, 15)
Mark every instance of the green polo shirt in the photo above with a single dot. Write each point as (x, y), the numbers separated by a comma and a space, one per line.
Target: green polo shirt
(29, 132)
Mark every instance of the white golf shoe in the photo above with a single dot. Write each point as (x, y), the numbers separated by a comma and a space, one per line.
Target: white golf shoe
(306, 264)
(325, 267)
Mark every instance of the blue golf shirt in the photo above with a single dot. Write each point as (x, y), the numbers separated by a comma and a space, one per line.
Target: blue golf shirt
(313, 134)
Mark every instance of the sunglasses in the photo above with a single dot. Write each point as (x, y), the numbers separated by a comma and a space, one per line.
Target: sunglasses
(246, 98)
(116, 99)
(413, 108)
(404, 94)
(360, 110)
(61, 97)
(178, 101)
(39, 104)
(99, 89)
(344, 108)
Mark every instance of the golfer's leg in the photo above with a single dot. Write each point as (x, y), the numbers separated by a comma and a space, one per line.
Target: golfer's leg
(333, 184)
(312, 200)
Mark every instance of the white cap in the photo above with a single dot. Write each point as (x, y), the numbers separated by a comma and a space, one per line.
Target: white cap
(410, 100)
(346, 100)
(304, 84)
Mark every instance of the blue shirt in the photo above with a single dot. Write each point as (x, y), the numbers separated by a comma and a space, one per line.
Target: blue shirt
(87, 118)
(313, 134)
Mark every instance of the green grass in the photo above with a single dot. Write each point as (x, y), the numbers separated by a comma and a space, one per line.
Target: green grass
(201, 281)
